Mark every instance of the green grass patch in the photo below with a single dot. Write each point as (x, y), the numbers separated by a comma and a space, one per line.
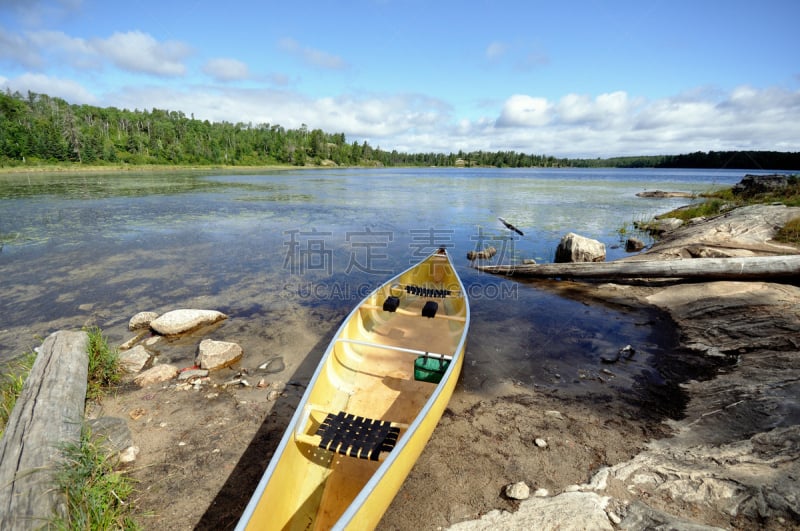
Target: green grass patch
(790, 232)
(11, 382)
(97, 495)
(104, 370)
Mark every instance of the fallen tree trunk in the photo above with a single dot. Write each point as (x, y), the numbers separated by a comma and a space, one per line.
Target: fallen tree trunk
(48, 414)
(744, 268)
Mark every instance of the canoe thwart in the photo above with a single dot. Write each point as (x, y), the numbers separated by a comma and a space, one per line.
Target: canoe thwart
(403, 311)
(414, 351)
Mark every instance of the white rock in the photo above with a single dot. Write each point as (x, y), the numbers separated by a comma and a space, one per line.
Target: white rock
(184, 320)
(129, 454)
(217, 354)
(518, 491)
(541, 493)
(134, 360)
(141, 320)
(158, 373)
(554, 414)
(576, 248)
(541, 443)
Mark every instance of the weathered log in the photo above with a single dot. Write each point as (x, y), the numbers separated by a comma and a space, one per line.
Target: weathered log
(742, 268)
(48, 415)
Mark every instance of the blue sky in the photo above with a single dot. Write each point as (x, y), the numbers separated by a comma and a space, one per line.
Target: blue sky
(577, 78)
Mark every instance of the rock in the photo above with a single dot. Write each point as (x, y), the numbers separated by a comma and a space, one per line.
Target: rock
(659, 194)
(158, 373)
(572, 510)
(112, 433)
(134, 360)
(141, 321)
(659, 226)
(217, 354)
(191, 374)
(541, 443)
(642, 516)
(181, 321)
(132, 341)
(273, 366)
(518, 491)
(129, 454)
(575, 248)
(759, 184)
(541, 493)
(481, 255)
(529, 261)
(554, 414)
(633, 244)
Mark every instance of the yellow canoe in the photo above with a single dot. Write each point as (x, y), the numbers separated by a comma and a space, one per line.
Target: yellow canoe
(371, 406)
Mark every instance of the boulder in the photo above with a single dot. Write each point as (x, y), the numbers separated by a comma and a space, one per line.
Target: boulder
(112, 434)
(141, 321)
(659, 226)
(156, 374)
(134, 360)
(217, 354)
(633, 245)
(575, 248)
(185, 320)
(759, 184)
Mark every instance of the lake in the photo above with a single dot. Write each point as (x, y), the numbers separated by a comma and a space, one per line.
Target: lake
(287, 254)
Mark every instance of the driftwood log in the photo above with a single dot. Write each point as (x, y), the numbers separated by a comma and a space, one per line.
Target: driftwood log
(48, 414)
(744, 268)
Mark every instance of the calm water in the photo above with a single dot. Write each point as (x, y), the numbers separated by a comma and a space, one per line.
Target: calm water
(290, 252)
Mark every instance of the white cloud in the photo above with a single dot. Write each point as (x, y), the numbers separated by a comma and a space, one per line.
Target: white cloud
(17, 49)
(71, 50)
(225, 69)
(136, 51)
(525, 111)
(312, 56)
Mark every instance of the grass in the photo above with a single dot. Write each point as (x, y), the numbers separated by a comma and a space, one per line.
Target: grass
(790, 232)
(104, 369)
(96, 493)
(11, 384)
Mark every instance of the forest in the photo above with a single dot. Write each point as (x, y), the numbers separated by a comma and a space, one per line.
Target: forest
(39, 130)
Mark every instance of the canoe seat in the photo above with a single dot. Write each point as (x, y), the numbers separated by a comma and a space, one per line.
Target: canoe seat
(355, 436)
(427, 292)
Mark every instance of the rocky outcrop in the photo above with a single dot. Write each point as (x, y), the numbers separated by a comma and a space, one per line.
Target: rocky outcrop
(576, 248)
(141, 321)
(751, 185)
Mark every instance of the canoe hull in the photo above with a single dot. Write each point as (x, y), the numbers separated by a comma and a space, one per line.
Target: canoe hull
(368, 370)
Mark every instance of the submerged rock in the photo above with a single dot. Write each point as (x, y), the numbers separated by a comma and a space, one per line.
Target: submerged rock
(185, 320)
(141, 321)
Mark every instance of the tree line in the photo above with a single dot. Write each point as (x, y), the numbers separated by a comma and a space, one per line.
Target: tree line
(40, 129)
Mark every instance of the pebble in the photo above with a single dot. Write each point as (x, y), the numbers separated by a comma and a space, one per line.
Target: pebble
(541, 493)
(613, 517)
(541, 443)
(518, 491)
(273, 395)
